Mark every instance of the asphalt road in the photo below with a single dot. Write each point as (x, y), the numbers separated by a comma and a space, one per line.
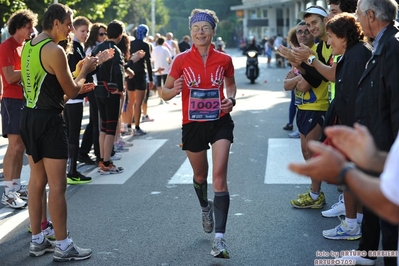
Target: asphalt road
(149, 215)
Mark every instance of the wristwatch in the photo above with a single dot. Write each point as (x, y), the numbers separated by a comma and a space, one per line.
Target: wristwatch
(341, 176)
(311, 59)
(232, 100)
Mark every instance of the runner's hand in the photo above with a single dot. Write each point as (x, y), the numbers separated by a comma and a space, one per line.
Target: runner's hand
(178, 85)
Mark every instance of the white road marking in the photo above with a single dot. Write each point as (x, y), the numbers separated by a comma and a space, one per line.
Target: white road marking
(185, 173)
(280, 153)
(131, 161)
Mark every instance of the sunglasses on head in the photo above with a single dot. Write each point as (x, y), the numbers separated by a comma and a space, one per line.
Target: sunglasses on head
(102, 34)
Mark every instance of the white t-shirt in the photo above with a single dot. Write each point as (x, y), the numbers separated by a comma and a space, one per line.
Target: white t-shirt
(171, 46)
(161, 56)
(389, 182)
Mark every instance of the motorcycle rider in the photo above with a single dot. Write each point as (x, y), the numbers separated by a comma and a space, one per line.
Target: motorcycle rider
(252, 46)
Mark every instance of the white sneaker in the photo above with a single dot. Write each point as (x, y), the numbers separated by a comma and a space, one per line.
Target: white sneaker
(125, 143)
(116, 157)
(358, 259)
(343, 232)
(295, 134)
(12, 200)
(337, 209)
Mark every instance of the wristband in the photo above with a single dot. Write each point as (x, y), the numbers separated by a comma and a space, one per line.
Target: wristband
(232, 100)
(342, 173)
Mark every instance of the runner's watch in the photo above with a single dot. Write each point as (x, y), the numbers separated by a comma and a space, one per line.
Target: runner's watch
(232, 100)
(311, 59)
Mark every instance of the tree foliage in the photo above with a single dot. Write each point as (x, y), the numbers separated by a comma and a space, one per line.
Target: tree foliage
(168, 16)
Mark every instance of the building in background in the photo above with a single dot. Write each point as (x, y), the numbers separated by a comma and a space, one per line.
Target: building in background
(269, 18)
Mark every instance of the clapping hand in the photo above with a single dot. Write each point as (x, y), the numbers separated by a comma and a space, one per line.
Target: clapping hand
(89, 64)
(137, 56)
(302, 53)
(86, 88)
(105, 55)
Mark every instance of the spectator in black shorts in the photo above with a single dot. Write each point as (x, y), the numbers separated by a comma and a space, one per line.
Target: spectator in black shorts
(43, 129)
(108, 96)
(137, 85)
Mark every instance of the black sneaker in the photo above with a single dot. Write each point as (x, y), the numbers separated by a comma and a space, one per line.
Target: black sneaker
(86, 159)
(78, 179)
(289, 127)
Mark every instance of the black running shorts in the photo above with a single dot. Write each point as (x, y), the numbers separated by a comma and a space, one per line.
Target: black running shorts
(44, 134)
(196, 136)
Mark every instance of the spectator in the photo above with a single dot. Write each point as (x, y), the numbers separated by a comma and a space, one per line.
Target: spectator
(47, 147)
(184, 44)
(20, 26)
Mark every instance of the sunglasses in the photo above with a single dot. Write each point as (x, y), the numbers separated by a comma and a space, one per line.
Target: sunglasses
(102, 34)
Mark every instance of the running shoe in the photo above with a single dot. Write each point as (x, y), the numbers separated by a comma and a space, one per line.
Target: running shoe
(343, 232)
(295, 134)
(146, 118)
(337, 209)
(125, 143)
(118, 147)
(357, 259)
(36, 250)
(110, 169)
(219, 248)
(288, 127)
(127, 132)
(72, 253)
(207, 218)
(116, 157)
(139, 132)
(12, 200)
(306, 202)
(23, 192)
(303, 195)
(78, 179)
(49, 231)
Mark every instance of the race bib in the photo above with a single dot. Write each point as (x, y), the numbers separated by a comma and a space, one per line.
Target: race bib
(204, 104)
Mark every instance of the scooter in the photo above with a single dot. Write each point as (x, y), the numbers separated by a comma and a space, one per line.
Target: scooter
(252, 70)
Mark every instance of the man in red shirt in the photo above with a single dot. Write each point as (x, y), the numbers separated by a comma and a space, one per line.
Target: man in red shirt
(20, 26)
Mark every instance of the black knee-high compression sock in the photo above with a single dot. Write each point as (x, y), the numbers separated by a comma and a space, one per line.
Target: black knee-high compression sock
(221, 209)
(202, 193)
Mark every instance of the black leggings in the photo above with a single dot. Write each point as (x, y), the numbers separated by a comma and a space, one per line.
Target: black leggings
(109, 113)
(73, 114)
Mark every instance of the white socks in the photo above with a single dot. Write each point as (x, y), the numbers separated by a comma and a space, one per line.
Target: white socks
(17, 184)
(351, 222)
(8, 186)
(38, 239)
(63, 244)
(13, 185)
(313, 195)
(219, 235)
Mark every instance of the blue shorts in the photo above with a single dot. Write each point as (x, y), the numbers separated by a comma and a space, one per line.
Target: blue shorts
(197, 135)
(307, 120)
(11, 110)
